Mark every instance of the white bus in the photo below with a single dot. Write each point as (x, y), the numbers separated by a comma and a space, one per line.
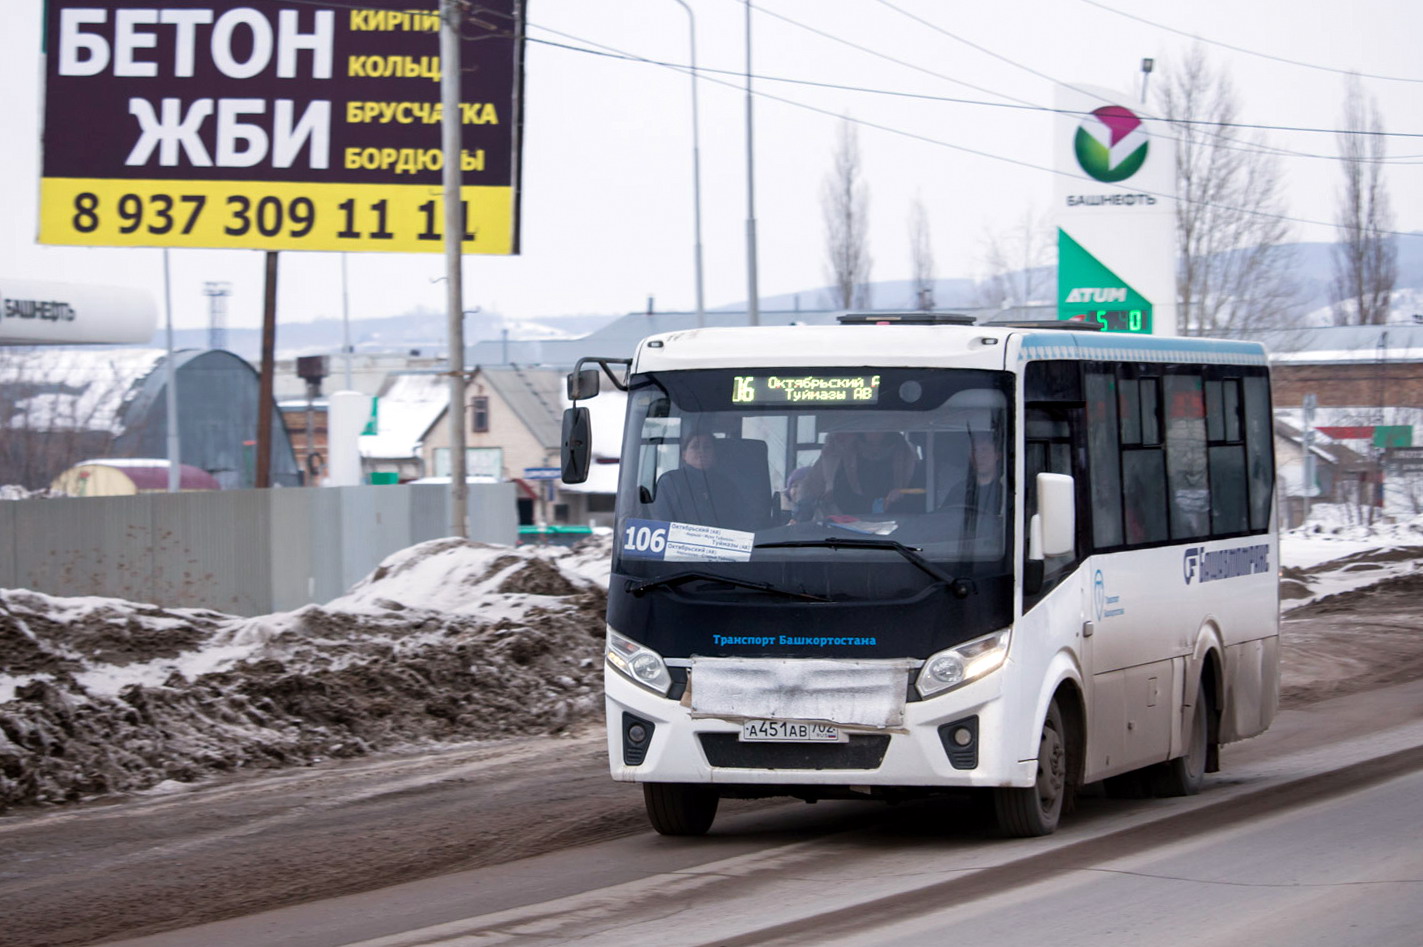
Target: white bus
(893, 559)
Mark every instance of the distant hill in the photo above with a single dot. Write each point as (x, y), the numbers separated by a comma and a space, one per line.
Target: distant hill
(423, 329)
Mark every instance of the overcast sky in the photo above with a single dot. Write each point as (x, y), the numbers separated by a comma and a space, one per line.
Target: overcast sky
(607, 204)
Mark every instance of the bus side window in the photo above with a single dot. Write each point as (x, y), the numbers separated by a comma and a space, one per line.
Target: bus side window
(1103, 459)
(1048, 444)
(1186, 461)
(1260, 449)
(1143, 459)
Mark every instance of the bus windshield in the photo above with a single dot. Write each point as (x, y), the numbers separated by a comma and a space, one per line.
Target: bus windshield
(807, 466)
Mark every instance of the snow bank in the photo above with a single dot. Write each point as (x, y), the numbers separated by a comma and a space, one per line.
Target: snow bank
(447, 641)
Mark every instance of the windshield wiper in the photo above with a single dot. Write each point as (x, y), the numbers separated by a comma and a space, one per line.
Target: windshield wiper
(958, 587)
(692, 575)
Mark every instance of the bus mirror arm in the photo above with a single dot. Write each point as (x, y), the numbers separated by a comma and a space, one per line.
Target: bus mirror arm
(583, 383)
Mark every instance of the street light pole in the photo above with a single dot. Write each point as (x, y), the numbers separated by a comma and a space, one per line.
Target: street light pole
(753, 300)
(696, 166)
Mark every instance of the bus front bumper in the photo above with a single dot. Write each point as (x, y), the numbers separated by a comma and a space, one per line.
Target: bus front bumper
(924, 752)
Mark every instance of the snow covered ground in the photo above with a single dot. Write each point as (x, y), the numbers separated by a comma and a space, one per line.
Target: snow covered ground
(446, 642)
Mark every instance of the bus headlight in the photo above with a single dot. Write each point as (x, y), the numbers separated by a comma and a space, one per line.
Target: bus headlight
(962, 663)
(638, 664)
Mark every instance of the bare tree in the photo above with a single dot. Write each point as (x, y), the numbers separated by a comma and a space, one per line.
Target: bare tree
(1019, 263)
(845, 201)
(1232, 265)
(1365, 258)
(53, 414)
(921, 255)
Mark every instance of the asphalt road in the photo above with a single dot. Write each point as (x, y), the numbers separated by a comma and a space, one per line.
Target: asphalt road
(1308, 836)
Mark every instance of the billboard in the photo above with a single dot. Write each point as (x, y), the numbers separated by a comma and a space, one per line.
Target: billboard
(1115, 209)
(277, 126)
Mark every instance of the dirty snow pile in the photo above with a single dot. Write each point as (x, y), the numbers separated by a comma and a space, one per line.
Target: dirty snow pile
(1334, 553)
(447, 641)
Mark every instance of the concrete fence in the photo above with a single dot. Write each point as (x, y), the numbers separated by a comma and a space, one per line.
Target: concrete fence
(247, 552)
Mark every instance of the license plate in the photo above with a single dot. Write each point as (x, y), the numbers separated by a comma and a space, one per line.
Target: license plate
(790, 731)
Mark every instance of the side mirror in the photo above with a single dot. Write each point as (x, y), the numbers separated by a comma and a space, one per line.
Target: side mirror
(1056, 520)
(577, 444)
(583, 385)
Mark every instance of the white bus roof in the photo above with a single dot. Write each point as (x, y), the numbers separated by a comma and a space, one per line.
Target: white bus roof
(921, 346)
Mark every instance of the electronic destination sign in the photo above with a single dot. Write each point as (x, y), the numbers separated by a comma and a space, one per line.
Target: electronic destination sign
(805, 389)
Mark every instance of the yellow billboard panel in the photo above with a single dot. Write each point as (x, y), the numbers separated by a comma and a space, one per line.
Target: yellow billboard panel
(306, 215)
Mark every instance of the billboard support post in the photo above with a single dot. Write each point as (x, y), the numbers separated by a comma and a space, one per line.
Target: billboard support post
(454, 231)
(171, 394)
(266, 381)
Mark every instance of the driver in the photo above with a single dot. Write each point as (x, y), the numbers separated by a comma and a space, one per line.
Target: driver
(698, 492)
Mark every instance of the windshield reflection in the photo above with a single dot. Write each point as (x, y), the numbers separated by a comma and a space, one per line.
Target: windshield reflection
(921, 459)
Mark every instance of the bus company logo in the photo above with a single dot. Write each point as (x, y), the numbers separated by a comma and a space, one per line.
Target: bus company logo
(1190, 562)
(1111, 144)
(1199, 565)
(1104, 605)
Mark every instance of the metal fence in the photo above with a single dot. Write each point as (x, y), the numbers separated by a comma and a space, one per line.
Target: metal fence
(247, 552)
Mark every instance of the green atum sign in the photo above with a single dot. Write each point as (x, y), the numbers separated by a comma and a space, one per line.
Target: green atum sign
(1087, 291)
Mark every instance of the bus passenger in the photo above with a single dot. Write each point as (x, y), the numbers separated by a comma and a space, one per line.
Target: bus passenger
(698, 492)
(866, 472)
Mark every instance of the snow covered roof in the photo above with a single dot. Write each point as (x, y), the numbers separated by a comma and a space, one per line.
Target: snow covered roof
(408, 407)
(1332, 344)
(58, 389)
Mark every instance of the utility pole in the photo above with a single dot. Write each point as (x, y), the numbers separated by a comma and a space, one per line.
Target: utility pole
(1307, 442)
(454, 234)
(753, 296)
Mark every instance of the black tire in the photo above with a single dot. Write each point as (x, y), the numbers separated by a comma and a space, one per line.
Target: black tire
(1035, 810)
(1185, 775)
(680, 808)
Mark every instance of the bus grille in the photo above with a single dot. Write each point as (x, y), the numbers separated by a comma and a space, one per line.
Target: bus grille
(864, 751)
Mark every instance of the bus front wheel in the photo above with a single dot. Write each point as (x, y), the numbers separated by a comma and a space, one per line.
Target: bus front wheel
(1035, 810)
(680, 808)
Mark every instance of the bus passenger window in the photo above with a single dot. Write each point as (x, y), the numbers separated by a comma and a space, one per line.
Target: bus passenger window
(1186, 456)
(1260, 449)
(1102, 453)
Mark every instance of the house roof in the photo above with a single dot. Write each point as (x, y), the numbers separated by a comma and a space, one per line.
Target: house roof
(1334, 344)
(535, 397)
(57, 389)
(410, 404)
(152, 474)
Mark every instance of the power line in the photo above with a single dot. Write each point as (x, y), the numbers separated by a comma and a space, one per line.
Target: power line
(1223, 141)
(915, 136)
(954, 100)
(1248, 52)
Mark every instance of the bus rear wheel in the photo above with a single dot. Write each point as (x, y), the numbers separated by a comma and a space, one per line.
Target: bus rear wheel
(680, 808)
(1185, 775)
(1036, 809)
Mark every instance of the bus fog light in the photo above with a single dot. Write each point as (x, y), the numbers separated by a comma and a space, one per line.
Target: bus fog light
(637, 733)
(962, 736)
(963, 663)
